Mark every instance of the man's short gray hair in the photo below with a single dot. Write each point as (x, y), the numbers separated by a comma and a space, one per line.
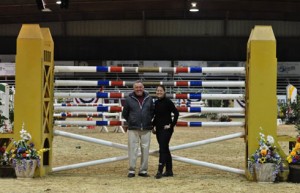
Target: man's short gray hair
(138, 82)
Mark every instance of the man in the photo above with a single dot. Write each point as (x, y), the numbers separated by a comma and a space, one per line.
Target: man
(138, 112)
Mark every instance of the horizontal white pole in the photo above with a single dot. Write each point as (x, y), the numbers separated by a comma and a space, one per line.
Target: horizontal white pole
(222, 110)
(85, 114)
(203, 109)
(91, 123)
(75, 95)
(209, 165)
(204, 83)
(75, 83)
(95, 162)
(84, 104)
(90, 139)
(123, 122)
(223, 124)
(75, 69)
(221, 70)
(74, 109)
(222, 96)
(174, 96)
(183, 115)
(207, 141)
(223, 83)
(89, 163)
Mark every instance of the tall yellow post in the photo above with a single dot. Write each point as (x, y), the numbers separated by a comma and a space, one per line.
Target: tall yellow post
(261, 81)
(34, 89)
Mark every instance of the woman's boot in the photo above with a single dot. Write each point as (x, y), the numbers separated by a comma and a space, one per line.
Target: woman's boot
(169, 170)
(159, 171)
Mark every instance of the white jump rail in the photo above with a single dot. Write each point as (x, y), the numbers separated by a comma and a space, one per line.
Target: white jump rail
(173, 96)
(83, 83)
(117, 69)
(181, 109)
(124, 147)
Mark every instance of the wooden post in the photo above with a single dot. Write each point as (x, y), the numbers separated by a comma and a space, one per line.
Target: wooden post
(34, 89)
(261, 87)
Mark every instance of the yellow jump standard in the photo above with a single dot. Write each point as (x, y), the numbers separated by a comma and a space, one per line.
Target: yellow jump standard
(34, 89)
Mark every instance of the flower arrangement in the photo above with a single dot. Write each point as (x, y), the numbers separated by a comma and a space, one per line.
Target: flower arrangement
(3, 153)
(23, 151)
(225, 118)
(266, 153)
(294, 156)
(290, 113)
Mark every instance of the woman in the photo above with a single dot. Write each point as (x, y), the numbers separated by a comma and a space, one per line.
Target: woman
(163, 126)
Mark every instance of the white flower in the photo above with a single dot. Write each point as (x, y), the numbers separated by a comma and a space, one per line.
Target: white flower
(5, 157)
(270, 139)
(25, 135)
(261, 135)
(264, 147)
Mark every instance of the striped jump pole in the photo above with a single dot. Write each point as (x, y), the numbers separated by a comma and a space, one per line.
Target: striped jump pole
(211, 109)
(123, 123)
(83, 104)
(118, 95)
(180, 109)
(118, 69)
(90, 109)
(153, 83)
(83, 114)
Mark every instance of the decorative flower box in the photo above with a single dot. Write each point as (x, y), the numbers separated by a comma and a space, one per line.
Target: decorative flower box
(294, 174)
(265, 164)
(25, 168)
(265, 172)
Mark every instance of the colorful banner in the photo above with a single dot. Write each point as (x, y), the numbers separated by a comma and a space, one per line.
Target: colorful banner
(291, 93)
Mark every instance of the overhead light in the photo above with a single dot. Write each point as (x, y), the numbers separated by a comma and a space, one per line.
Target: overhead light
(58, 2)
(46, 10)
(194, 7)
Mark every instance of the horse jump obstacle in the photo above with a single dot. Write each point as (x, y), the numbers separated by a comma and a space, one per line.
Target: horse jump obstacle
(261, 60)
(175, 96)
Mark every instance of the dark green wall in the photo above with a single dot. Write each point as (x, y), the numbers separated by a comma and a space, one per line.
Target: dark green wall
(164, 48)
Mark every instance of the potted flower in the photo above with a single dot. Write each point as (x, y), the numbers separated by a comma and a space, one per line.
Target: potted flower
(23, 156)
(291, 112)
(294, 162)
(5, 127)
(265, 164)
(6, 169)
(225, 118)
(3, 153)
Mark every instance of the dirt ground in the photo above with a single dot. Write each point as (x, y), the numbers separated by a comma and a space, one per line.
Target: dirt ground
(112, 177)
